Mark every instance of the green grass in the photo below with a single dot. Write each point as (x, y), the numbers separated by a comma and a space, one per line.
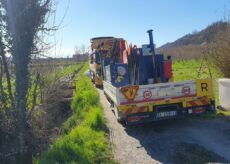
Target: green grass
(48, 80)
(188, 70)
(84, 138)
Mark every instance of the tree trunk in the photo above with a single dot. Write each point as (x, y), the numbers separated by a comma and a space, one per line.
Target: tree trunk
(22, 32)
(7, 75)
(3, 98)
(36, 83)
(24, 19)
(21, 71)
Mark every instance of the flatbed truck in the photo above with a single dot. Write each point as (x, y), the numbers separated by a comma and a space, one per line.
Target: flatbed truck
(139, 85)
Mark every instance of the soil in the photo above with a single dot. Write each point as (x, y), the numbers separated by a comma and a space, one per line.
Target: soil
(186, 140)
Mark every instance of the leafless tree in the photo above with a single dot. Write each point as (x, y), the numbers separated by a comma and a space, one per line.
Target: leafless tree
(3, 97)
(3, 46)
(80, 49)
(219, 51)
(25, 19)
(6, 69)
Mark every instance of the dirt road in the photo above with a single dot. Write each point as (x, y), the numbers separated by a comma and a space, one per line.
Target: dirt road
(175, 141)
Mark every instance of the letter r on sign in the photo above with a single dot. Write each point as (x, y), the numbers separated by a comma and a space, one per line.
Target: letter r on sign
(204, 87)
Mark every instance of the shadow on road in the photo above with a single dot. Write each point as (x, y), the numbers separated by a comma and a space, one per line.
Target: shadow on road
(180, 141)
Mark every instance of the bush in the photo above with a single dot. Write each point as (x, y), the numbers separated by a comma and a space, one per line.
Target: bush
(219, 50)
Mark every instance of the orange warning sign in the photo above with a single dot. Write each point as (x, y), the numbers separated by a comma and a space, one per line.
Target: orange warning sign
(130, 92)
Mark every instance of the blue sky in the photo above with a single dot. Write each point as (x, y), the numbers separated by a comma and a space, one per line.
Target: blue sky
(130, 19)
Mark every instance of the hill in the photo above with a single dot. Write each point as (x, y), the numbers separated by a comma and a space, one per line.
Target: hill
(192, 45)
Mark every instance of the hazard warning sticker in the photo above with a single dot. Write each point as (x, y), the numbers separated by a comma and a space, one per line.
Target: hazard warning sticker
(130, 92)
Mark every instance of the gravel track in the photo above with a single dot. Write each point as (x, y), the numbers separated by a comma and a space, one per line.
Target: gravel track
(158, 142)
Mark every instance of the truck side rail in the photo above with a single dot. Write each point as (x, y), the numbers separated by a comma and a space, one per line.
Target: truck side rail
(158, 92)
(111, 92)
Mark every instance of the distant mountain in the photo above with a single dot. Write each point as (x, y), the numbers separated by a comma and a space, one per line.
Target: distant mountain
(194, 41)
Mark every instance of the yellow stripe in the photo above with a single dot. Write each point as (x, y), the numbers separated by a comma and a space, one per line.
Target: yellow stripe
(198, 102)
(135, 109)
(184, 101)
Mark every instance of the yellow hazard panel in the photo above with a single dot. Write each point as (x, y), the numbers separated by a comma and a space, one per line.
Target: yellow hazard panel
(130, 92)
(204, 87)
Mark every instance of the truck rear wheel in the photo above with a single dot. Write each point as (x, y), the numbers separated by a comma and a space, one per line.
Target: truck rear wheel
(212, 107)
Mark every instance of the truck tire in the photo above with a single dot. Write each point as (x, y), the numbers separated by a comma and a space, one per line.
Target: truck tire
(212, 107)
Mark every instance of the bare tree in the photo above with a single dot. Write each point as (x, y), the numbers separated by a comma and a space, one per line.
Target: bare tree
(4, 40)
(219, 51)
(80, 49)
(3, 98)
(6, 69)
(25, 19)
(36, 83)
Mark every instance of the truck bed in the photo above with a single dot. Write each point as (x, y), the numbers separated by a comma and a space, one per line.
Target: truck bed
(158, 92)
(153, 102)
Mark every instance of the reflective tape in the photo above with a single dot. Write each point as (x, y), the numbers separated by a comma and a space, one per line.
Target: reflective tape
(127, 110)
(199, 102)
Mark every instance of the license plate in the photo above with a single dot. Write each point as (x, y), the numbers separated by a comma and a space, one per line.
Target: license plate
(166, 114)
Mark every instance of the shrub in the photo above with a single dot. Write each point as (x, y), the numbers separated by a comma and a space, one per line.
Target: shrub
(219, 50)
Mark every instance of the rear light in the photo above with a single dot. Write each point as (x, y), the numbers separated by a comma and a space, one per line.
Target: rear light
(134, 119)
(137, 118)
(196, 110)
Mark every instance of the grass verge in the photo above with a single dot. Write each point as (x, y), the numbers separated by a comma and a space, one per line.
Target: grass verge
(84, 138)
